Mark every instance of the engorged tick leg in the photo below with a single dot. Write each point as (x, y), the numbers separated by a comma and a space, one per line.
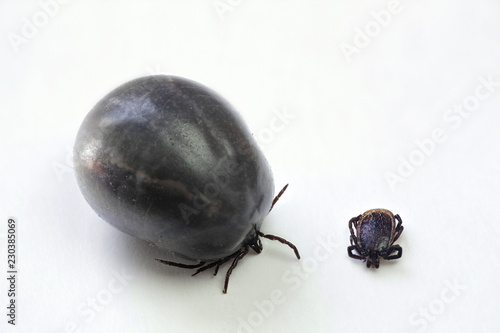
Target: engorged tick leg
(216, 264)
(240, 254)
(278, 196)
(178, 264)
(282, 241)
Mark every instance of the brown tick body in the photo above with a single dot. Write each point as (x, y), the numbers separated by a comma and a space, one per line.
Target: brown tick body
(376, 232)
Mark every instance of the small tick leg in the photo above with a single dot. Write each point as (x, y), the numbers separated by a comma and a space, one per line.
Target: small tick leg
(399, 231)
(392, 249)
(354, 221)
(278, 196)
(352, 255)
(243, 252)
(400, 221)
(353, 240)
(282, 241)
(399, 228)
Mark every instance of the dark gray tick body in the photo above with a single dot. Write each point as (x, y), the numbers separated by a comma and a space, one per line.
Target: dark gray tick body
(373, 234)
(169, 161)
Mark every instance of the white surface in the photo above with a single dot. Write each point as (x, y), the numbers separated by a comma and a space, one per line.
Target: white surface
(349, 123)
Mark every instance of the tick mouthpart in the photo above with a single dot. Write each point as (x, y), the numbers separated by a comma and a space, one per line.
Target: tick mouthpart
(372, 260)
(256, 244)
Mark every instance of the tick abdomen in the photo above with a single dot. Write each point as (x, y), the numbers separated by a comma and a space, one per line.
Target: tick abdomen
(169, 161)
(375, 231)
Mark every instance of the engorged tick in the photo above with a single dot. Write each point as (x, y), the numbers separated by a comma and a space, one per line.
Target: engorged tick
(169, 161)
(376, 232)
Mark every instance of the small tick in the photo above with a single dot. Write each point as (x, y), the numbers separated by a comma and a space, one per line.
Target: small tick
(376, 232)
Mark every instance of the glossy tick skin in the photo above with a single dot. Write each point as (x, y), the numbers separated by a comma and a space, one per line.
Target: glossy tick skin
(169, 161)
(372, 236)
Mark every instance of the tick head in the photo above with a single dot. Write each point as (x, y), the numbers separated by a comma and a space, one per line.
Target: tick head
(256, 244)
(372, 260)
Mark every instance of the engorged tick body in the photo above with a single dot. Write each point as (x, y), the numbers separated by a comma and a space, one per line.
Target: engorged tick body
(168, 160)
(373, 234)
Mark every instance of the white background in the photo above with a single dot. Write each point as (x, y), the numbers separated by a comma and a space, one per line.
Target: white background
(361, 88)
